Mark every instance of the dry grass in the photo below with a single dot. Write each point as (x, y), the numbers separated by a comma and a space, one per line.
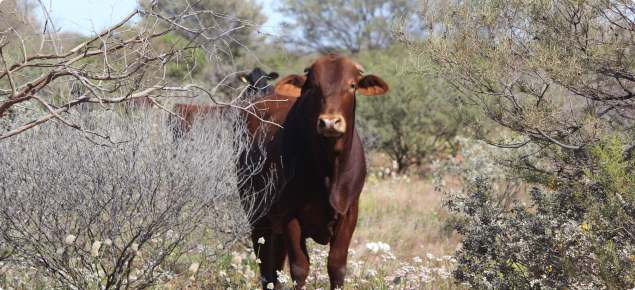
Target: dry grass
(407, 216)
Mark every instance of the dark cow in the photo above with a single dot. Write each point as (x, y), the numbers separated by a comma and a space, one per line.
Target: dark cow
(257, 81)
(319, 161)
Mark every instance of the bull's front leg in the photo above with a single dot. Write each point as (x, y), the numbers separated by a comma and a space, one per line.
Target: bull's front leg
(298, 254)
(339, 247)
(265, 252)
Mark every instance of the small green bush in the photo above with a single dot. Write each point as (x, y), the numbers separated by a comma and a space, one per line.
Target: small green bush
(575, 235)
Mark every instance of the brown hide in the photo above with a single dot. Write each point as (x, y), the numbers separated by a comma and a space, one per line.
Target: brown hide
(189, 113)
(319, 162)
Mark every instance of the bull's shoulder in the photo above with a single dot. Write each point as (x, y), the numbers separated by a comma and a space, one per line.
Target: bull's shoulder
(272, 108)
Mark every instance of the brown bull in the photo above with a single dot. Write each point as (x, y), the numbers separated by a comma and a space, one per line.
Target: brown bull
(319, 161)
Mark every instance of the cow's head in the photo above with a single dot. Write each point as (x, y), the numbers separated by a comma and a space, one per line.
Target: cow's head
(257, 80)
(331, 82)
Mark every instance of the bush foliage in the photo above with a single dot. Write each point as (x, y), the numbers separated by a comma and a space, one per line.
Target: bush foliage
(413, 120)
(556, 77)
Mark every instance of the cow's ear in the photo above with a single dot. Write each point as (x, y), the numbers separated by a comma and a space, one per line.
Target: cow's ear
(290, 85)
(371, 85)
(243, 78)
(273, 75)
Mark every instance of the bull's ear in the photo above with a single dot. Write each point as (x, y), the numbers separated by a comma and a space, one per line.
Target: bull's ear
(243, 78)
(371, 85)
(273, 75)
(290, 85)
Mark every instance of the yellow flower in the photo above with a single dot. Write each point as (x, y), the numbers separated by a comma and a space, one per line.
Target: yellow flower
(549, 269)
(584, 227)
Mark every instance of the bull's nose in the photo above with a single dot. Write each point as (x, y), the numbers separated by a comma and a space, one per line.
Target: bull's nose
(331, 126)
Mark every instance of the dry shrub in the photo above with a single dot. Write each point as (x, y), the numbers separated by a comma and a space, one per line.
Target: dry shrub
(87, 216)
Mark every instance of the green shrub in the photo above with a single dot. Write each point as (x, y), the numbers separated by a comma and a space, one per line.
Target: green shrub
(413, 120)
(574, 235)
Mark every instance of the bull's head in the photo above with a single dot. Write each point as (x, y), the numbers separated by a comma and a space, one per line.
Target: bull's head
(331, 82)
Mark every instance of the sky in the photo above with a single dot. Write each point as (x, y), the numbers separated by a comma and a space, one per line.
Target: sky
(76, 15)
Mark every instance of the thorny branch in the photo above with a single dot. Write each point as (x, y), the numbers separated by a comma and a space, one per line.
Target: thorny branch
(118, 65)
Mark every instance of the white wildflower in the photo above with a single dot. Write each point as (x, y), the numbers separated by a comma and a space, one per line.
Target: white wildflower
(237, 259)
(373, 247)
(192, 278)
(134, 248)
(262, 242)
(228, 280)
(222, 274)
(70, 239)
(95, 248)
(107, 242)
(417, 260)
(193, 268)
(447, 257)
(220, 247)
(430, 256)
(282, 277)
(252, 256)
(270, 285)
(257, 261)
(383, 247)
(395, 165)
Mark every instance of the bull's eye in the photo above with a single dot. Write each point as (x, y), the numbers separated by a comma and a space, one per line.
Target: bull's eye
(353, 86)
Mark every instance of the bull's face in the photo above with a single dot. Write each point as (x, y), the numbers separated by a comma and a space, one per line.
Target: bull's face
(331, 82)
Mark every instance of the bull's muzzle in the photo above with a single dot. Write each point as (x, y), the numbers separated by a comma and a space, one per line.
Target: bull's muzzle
(331, 125)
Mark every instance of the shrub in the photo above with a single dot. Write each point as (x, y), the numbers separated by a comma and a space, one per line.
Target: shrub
(413, 120)
(555, 75)
(87, 217)
(578, 235)
(476, 162)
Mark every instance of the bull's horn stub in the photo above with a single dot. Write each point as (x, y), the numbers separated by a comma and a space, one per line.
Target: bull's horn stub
(359, 67)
